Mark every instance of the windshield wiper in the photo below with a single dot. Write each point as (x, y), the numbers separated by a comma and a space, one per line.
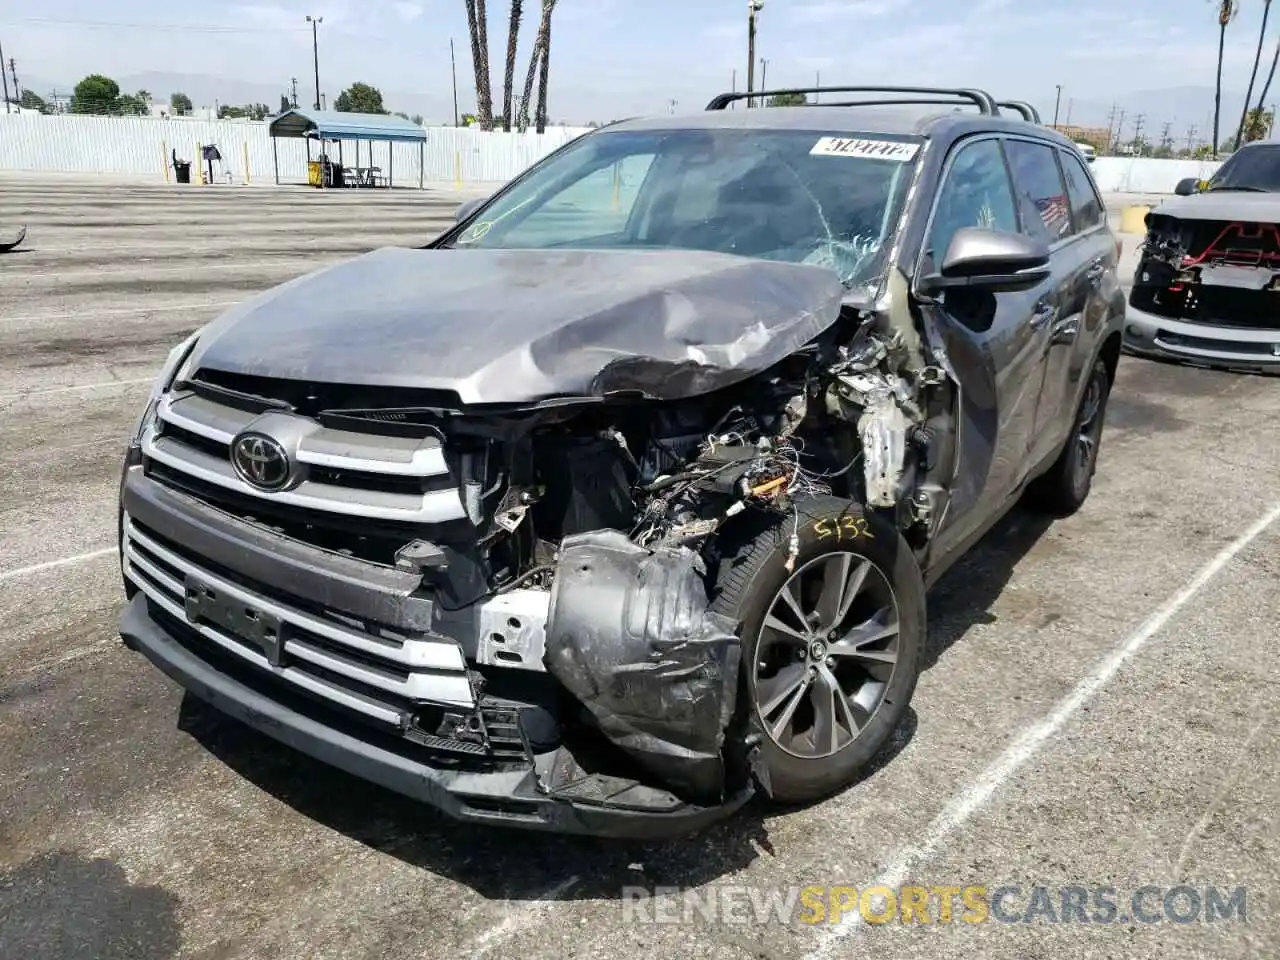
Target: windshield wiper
(1241, 189)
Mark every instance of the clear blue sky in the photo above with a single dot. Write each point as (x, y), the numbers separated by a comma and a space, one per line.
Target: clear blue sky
(613, 58)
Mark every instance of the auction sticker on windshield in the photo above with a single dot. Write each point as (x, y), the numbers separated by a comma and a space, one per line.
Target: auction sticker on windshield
(863, 147)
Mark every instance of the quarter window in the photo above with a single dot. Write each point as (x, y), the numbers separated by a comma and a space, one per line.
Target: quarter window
(976, 193)
(1042, 197)
(1086, 209)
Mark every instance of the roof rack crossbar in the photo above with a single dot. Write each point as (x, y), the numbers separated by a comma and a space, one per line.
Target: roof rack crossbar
(1029, 113)
(983, 100)
(930, 102)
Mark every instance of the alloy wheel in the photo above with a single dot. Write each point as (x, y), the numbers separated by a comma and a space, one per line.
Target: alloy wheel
(827, 651)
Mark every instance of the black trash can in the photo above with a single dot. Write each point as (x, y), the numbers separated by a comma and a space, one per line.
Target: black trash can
(182, 171)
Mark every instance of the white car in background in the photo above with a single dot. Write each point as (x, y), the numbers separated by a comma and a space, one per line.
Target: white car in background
(1090, 153)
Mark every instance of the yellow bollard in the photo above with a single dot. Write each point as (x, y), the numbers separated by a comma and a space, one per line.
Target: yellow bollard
(164, 159)
(457, 169)
(1133, 219)
(246, 163)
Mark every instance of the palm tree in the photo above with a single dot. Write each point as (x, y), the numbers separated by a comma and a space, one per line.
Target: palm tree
(1227, 10)
(538, 58)
(478, 28)
(1266, 87)
(545, 29)
(1257, 59)
(513, 35)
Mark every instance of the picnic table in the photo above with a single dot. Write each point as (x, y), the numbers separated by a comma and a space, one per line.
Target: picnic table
(367, 176)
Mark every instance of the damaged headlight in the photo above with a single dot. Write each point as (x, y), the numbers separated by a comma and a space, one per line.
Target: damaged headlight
(168, 374)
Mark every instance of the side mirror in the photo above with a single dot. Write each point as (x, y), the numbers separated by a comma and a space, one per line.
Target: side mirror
(992, 260)
(1187, 187)
(468, 208)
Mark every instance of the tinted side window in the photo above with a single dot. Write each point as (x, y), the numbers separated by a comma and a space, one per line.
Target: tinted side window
(1042, 198)
(1086, 209)
(976, 193)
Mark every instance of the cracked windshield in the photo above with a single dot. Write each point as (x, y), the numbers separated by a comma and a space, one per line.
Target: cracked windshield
(796, 196)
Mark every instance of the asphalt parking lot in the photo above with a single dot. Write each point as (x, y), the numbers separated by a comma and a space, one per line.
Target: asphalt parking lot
(1100, 706)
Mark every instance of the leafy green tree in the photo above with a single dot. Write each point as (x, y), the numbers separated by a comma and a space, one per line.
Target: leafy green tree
(788, 100)
(96, 94)
(132, 105)
(285, 105)
(32, 101)
(360, 98)
(180, 104)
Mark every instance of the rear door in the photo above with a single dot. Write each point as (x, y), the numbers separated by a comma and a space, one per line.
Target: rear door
(995, 342)
(1045, 212)
(1090, 256)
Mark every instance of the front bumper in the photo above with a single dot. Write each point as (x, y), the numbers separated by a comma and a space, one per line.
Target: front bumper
(1245, 349)
(509, 797)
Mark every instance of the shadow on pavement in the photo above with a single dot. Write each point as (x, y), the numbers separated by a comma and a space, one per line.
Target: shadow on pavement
(60, 904)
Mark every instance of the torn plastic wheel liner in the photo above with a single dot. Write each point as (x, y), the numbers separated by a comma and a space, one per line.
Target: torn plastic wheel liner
(629, 636)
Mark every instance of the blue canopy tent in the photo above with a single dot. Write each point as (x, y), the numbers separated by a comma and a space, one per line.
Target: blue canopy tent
(333, 125)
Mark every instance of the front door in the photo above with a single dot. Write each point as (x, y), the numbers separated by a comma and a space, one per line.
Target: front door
(996, 343)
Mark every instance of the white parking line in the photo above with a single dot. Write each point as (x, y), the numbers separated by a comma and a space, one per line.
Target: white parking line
(80, 386)
(976, 794)
(91, 314)
(51, 564)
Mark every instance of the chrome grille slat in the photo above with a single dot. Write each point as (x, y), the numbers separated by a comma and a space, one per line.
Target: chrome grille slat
(322, 446)
(412, 654)
(329, 691)
(433, 506)
(418, 669)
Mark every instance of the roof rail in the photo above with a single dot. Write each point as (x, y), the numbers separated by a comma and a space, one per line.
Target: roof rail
(983, 100)
(1029, 113)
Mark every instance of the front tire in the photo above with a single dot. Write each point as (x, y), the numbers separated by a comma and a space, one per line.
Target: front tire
(832, 647)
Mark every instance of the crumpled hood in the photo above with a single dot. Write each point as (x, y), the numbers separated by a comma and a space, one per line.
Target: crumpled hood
(1225, 205)
(512, 326)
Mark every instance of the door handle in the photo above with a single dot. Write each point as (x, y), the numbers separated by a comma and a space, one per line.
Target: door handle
(1044, 312)
(1096, 270)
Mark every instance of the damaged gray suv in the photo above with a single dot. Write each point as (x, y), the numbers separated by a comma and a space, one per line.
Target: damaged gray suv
(617, 503)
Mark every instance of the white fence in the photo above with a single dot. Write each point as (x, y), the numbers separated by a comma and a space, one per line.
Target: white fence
(1145, 175)
(143, 146)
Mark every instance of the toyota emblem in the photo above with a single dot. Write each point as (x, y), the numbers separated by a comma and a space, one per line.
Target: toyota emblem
(260, 461)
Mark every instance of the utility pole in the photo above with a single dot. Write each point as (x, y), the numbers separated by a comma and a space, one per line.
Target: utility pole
(1191, 138)
(1138, 123)
(453, 67)
(13, 70)
(6, 81)
(753, 8)
(315, 52)
(1166, 141)
(1111, 124)
(293, 81)
(764, 71)
(1120, 130)
(1069, 104)
(1056, 104)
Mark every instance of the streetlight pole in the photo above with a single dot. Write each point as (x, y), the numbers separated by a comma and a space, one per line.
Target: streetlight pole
(753, 8)
(453, 66)
(1056, 104)
(315, 52)
(764, 72)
